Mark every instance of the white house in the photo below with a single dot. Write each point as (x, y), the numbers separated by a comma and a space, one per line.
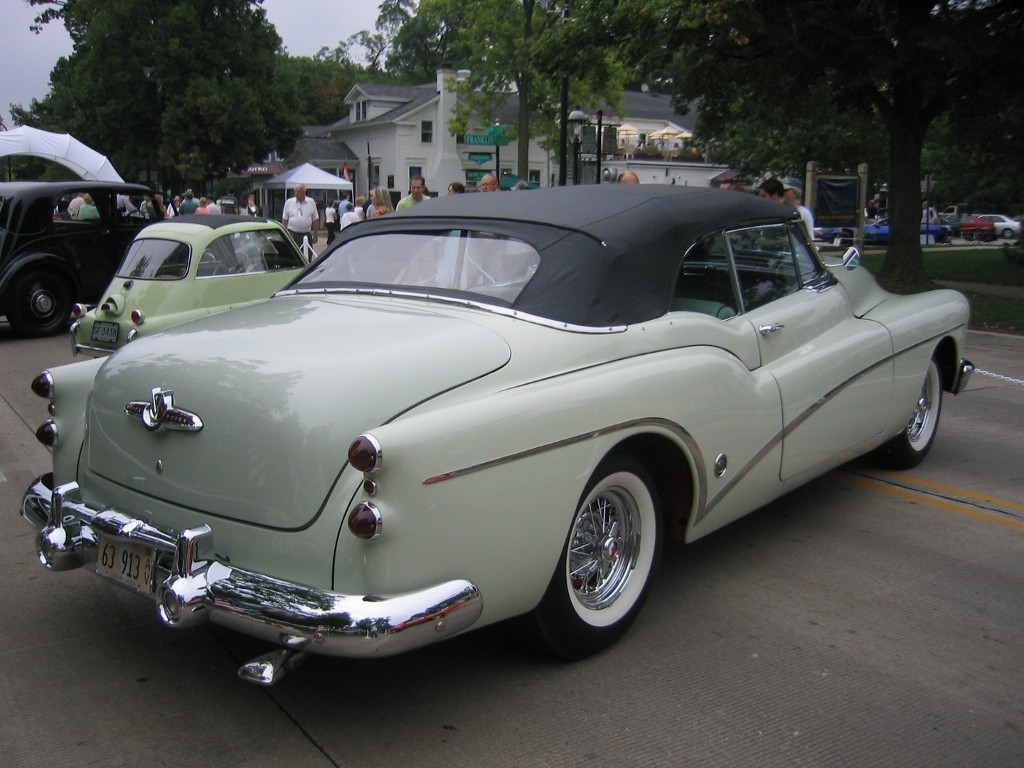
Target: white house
(392, 132)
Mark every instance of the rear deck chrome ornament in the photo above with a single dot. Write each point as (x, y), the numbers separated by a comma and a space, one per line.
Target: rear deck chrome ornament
(160, 412)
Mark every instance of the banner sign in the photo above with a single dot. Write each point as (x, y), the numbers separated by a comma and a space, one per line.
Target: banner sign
(836, 204)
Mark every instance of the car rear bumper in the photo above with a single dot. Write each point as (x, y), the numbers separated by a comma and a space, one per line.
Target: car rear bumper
(79, 347)
(189, 586)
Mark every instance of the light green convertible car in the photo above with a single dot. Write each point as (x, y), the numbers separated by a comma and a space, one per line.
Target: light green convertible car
(184, 268)
(487, 408)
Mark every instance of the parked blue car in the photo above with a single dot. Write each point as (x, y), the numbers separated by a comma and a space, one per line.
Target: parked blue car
(878, 233)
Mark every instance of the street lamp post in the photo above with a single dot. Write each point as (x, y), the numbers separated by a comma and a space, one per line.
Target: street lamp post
(577, 118)
(563, 106)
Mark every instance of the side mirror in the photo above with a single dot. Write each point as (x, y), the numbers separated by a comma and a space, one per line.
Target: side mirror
(851, 259)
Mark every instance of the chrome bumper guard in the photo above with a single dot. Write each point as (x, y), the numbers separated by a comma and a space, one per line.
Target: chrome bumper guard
(190, 590)
(963, 373)
(78, 347)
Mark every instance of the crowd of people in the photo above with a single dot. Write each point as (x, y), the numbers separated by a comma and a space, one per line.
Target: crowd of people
(302, 218)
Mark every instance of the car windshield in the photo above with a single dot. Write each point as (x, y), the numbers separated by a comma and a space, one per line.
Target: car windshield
(487, 264)
(152, 259)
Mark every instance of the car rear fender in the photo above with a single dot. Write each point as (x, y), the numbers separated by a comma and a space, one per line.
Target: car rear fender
(34, 260)
(72, 386)
(487, 487)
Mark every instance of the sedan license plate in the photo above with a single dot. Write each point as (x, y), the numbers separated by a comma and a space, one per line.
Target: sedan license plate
(127, 562)
(103, 331)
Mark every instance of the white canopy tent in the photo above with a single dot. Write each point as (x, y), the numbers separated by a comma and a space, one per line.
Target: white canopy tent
(310, 175)
(60, 148)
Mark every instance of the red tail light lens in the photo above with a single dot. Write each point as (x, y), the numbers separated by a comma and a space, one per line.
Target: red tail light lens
(77, 310)
(137, 317)
(365, 521)
(47, 434)
(42, 384)
(365, 454)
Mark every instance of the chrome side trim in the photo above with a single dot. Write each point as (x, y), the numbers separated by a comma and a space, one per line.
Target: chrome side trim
(704, 504)
(505, 312)
(190, 586)
(684, 437)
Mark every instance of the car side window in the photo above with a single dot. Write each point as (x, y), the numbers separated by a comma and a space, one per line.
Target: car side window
(766, 264)
(704, 283)
(218, 259)
(263, 251)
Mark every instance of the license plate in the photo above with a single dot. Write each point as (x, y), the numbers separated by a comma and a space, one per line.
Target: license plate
(102, 331)
(127, 562)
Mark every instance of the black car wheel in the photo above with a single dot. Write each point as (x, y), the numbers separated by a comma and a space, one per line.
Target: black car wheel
(911, 445)
(605, 571)
(39, 304)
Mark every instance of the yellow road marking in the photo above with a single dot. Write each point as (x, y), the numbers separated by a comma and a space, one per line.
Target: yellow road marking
(952, 506)
(901, 479)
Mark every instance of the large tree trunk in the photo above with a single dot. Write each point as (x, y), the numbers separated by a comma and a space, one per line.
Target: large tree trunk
(904, 261)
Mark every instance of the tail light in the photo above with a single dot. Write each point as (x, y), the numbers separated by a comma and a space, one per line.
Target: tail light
(77, 310)
(365, 454)
(42, 384)
(365, 522)
(137, 317)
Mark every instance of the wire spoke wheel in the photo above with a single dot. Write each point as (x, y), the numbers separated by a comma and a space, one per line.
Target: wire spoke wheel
(605, 571)
(910, 446)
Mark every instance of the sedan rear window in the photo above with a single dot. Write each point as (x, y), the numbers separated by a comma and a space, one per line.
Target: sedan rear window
(152, 259)
(487, 264)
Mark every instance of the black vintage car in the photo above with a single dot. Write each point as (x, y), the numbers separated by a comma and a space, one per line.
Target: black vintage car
(51, 258)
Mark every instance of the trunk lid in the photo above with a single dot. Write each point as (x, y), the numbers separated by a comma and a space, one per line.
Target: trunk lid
(282, 388)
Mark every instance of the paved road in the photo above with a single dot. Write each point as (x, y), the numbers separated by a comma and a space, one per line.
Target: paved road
(868, 619)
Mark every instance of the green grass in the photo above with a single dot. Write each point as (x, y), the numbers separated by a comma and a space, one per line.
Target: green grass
(975, 264)
(980, 264)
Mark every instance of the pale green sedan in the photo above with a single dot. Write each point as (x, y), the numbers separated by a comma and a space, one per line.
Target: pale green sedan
(489, 407)
(184, 268)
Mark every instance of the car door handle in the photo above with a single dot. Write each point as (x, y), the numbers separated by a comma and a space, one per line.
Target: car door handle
(764, 330)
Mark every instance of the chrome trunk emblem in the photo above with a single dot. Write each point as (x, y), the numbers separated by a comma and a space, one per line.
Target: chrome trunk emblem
(160, 412)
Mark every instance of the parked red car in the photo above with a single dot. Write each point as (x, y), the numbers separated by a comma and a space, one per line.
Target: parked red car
(973, 227)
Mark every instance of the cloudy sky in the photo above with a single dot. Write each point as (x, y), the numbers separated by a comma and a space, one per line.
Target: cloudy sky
(26, 58)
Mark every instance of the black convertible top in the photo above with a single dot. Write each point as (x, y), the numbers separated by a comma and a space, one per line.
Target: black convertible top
(610, 252)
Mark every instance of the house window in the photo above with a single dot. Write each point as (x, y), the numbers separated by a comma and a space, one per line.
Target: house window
(360, 110)
(427, 131)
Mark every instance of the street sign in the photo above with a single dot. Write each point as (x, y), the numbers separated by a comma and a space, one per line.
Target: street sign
(480, 157)
(482, 139)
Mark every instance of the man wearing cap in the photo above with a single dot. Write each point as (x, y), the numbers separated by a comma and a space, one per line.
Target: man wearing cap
(791, 194)
(189, 204)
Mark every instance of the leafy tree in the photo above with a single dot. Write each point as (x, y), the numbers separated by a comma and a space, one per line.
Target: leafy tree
(181, 87)
(425, 42)
(509, 46)
(317, 85)
(908, 62)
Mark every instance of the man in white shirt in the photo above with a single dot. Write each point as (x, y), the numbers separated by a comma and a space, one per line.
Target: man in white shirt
(300, 216)
(792, 194)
